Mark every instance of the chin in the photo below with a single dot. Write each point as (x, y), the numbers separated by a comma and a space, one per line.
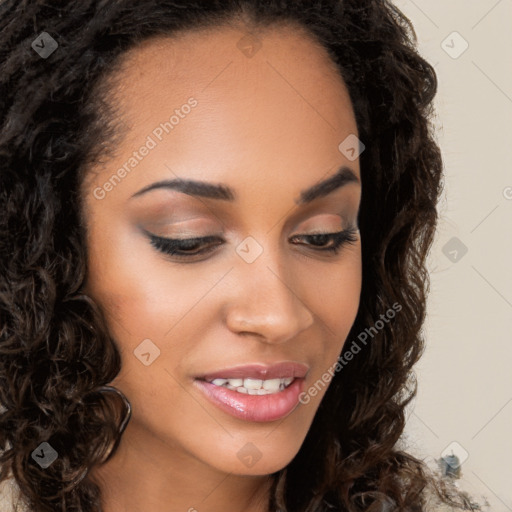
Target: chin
(256, 458)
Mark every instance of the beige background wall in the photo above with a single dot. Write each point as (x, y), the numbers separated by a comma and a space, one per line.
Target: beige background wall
(465, 377)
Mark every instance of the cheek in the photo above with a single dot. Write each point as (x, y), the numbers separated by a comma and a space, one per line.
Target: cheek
(334, 297)
(333, 291)
(125, 285)
(144, 296)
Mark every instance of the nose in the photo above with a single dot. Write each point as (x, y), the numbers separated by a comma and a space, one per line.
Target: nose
(268, 302)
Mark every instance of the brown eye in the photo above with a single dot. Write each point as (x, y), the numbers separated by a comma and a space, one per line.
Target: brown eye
(338, 239)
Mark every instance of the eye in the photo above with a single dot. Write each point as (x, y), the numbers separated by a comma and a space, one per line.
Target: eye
(184, 247)
(187, 248)
(338, 239)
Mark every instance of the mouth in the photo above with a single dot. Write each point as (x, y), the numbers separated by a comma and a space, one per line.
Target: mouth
(253, 386)
(255, 392)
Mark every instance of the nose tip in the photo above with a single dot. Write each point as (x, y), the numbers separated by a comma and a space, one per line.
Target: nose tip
(272, 310)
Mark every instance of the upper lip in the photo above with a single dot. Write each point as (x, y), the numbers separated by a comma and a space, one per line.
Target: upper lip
(280, 370)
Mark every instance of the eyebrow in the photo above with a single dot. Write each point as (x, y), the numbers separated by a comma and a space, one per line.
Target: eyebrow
(343, 176)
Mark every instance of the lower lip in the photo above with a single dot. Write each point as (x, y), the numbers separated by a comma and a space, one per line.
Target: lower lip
(254, 407)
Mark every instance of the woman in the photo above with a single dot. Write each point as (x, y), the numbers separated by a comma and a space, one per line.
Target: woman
(215, 219)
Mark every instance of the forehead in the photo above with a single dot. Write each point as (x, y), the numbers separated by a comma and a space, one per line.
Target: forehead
(194, 57)
(266, 102)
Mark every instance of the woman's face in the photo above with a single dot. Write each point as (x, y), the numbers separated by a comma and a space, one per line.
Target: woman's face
(263, 118)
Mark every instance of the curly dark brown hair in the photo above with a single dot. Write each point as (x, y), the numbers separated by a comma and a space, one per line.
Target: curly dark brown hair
(55, 349)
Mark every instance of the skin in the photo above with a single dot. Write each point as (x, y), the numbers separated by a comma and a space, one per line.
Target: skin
(267, 126)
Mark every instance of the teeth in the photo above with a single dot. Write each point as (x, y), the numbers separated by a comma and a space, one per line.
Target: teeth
(272, 385)
(252, 383)
(254, 386)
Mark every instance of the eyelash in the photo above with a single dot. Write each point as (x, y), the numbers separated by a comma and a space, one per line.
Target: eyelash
(173, 246)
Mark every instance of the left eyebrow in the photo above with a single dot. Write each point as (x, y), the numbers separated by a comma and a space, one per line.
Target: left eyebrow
(343, 176)
(222, 192)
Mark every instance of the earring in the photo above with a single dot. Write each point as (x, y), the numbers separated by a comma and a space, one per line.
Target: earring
(110, 389)
(125, 400)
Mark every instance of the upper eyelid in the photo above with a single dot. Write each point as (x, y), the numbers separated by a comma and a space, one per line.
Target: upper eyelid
(349, 225)
(344, 214)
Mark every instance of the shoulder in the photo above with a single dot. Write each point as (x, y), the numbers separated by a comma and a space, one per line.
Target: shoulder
(10, 497)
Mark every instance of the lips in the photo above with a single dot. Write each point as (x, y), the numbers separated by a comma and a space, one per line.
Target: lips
(281, 370)
(253, 408)
(262, 405)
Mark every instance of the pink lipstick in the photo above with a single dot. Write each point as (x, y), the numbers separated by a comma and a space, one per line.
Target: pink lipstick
(255, 392)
